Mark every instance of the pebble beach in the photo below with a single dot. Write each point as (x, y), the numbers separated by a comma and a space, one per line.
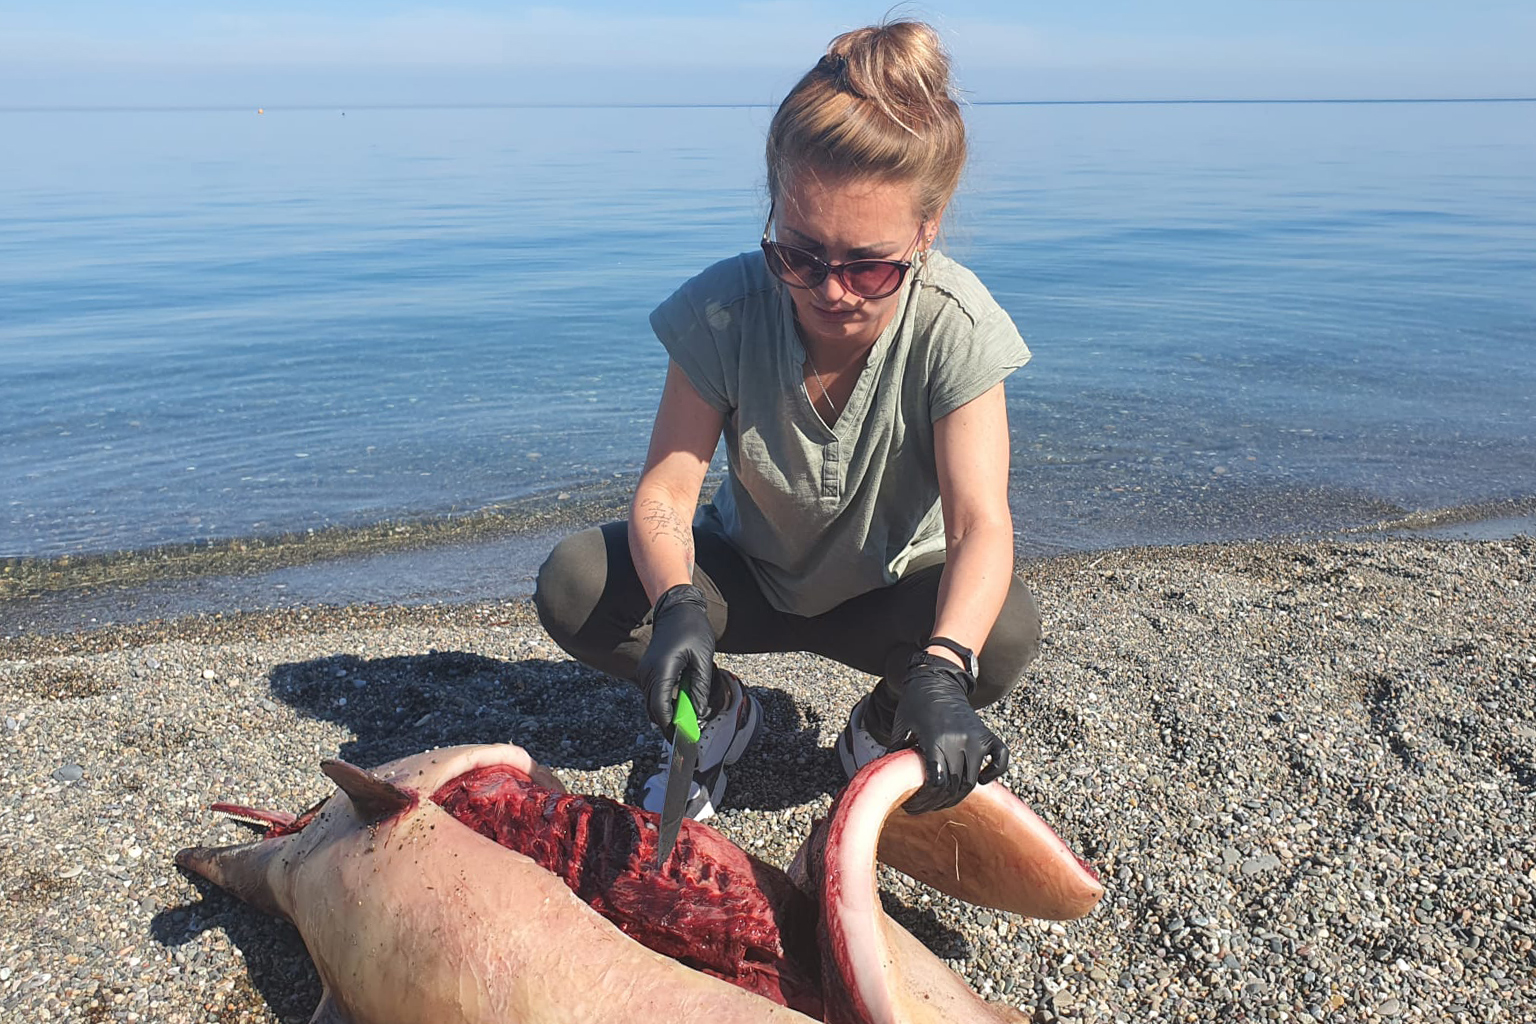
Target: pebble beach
(1304, 770)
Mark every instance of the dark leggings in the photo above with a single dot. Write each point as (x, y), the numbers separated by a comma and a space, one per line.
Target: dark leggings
(593, 605)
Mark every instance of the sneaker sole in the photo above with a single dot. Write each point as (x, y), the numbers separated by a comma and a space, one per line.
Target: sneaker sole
(845, 754)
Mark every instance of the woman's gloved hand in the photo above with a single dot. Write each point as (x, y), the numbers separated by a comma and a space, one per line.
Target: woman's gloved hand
(681, 655)
(935, 716)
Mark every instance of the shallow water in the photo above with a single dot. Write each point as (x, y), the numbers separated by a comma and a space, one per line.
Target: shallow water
(1247, 319)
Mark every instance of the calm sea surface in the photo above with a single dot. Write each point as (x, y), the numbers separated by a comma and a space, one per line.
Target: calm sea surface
(1247, 319)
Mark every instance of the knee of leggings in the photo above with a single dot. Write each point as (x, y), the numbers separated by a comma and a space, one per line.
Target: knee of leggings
(1011, 647)
(569, 583)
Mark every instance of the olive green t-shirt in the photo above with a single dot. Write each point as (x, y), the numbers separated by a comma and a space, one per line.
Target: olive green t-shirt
(823, 514)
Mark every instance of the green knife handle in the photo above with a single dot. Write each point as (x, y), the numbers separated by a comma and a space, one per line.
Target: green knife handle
(684, 720)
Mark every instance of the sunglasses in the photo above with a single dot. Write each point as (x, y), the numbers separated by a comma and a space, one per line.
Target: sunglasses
(868, 279)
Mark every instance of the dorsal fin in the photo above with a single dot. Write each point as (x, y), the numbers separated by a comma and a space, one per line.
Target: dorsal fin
(372, 797)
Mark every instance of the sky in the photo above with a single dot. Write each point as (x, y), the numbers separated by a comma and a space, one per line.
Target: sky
(62, 53)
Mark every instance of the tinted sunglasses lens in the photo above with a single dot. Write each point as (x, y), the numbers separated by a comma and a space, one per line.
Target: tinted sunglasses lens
(873, 279)
(794, 267)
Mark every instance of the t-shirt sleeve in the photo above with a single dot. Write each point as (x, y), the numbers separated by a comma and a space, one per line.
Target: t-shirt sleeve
(690, 325)
(971, 357)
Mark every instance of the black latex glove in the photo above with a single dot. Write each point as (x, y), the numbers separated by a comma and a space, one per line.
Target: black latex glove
(935, 716)
(681, 655)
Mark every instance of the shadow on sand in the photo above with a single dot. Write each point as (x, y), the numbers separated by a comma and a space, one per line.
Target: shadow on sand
(566, 715)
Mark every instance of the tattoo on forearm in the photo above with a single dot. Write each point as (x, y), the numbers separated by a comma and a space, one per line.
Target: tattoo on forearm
(661, 520)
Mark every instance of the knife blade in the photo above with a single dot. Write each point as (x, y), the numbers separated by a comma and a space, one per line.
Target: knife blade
(684, 758)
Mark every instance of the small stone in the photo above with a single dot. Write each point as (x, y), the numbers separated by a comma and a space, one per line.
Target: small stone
(209, 674)
(5, 974)
(1389, 1007)
(1257, 865)
(69, 773)
(1230, 857)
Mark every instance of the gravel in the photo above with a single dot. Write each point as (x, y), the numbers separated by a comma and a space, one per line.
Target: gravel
(1305, 771)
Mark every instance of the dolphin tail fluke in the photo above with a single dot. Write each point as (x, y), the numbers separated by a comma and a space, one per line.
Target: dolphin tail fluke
(989, 849)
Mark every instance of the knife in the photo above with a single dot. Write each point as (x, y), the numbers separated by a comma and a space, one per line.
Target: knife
(685, 757)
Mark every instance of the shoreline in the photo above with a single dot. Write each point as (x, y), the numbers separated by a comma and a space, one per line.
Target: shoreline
(26, 576)
(490, 554)
(1305, 770)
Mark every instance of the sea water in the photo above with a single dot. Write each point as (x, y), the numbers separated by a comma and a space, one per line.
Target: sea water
(1247, 319)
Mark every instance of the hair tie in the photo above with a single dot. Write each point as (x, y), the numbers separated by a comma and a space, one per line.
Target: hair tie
(833, 64)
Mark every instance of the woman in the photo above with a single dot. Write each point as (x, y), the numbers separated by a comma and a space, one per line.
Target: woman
(857, 375)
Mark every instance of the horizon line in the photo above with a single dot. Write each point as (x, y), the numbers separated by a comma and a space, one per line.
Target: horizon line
(163, 108)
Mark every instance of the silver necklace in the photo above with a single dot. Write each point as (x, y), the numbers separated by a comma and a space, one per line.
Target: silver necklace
(821, 384)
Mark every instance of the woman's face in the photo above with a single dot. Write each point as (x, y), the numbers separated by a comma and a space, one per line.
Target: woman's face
(842, 221)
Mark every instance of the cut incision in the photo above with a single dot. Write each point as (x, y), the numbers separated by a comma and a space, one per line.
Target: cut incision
(712, 906)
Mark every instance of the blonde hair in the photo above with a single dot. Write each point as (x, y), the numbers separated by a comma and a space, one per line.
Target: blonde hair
(878, 106)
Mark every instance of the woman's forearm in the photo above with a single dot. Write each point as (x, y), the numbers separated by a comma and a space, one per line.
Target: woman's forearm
(972, 447)
(975, 583)
(661, 538)
(661, 515)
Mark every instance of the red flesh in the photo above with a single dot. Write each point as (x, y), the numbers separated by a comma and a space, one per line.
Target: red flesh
(712, 906)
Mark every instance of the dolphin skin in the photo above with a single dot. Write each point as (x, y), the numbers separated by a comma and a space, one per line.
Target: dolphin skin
(466, 886)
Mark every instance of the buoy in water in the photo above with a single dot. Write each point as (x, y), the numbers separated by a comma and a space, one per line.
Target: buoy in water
(260, 110)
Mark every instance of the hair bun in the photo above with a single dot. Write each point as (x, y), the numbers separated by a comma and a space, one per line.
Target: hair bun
(876, 106)
(901, 66)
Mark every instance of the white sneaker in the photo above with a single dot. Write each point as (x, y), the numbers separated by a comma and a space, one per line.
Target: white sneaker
(855, 746)
(722, 741)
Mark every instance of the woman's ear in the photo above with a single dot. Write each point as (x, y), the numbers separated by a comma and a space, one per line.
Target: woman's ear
(931, 229)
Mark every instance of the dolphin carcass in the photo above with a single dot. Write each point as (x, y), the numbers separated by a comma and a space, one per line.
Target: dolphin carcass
(466, 886)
